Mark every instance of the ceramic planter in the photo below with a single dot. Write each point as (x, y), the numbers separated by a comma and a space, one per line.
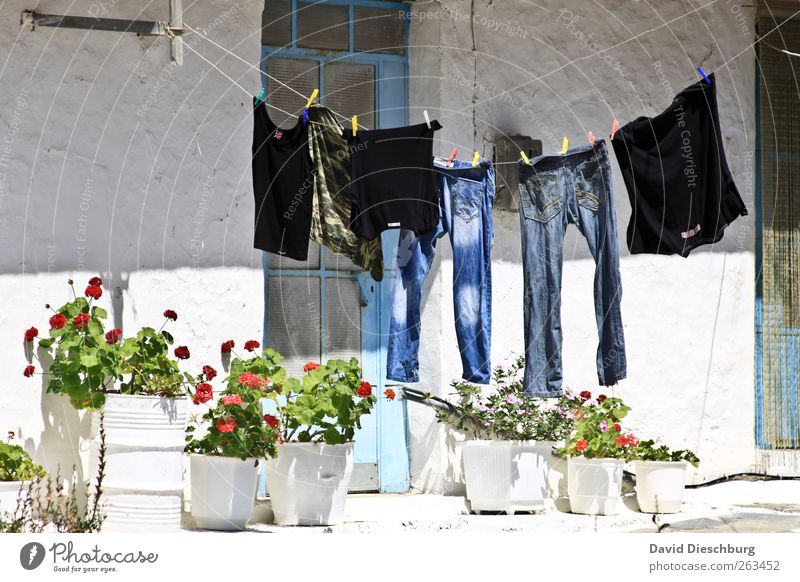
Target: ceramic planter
(594, 485)
(660, 485)
(308, 483)
(223, 491)
(507, 475)
(10, 491)
(144, 462)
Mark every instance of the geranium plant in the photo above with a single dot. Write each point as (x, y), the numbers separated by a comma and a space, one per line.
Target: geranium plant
(325, 406)
(598, 431)
(88, 361)
(235, 426)
(648, 451)
(504, 412)
(16, 464)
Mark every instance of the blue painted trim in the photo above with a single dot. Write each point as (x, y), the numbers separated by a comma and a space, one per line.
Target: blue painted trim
(759, 304)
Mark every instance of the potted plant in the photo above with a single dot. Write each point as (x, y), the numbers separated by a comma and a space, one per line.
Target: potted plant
(17, 473)
(138, 388)
(507, 462)
(316, 417)
(224, 459)
(596, 453)
(661, 476)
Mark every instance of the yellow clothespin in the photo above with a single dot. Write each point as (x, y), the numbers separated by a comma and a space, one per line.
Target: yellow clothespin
(355, 125)
(564, 145)
(312, 98)
(524, 158)
(475, 159)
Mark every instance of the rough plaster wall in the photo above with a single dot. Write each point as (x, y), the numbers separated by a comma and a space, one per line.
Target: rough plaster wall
(124, 165)
(688, 322)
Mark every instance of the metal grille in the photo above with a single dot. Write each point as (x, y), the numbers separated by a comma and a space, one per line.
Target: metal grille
(294, 321)
(378, 30)
(779, 406)
(322, 26)
(343, 318)
(276, 23)
(350, 90)
(300, 74)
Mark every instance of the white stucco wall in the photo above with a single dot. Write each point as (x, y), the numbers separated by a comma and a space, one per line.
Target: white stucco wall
(688, 322)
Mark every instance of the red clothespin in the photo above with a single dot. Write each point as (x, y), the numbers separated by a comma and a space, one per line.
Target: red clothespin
(614, 128)
(590, 135)
(452, 157)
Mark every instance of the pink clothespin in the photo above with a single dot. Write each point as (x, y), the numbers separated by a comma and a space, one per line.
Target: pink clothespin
(452, 157)
(590, 135)
(614, 128)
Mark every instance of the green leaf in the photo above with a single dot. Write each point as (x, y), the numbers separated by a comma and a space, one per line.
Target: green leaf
(99, 312)
(89, 360)
(45, 343)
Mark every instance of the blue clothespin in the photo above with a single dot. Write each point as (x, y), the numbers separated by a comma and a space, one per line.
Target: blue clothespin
(260, 96)
(703, 74)
(305, 116)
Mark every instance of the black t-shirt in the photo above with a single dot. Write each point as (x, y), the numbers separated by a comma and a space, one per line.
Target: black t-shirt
(282, 186)
(680, 188)
(393, 179)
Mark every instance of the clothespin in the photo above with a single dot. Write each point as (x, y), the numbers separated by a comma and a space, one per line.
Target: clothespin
(564, 146)
(260, 95)
(703, 74)
(355, 125)
(427, 118)
(591, 137)
(312, 98)
(524, 158)
(475, 159)
(452, 157)
(614, 128)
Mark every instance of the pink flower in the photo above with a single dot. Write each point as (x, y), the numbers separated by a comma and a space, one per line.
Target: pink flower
(232, 399)
(226, 424)
(251, 380)
(603, 426)
(512, 399)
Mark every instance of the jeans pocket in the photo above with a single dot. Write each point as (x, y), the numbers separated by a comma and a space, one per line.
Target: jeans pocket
(466, 201)
(540, 197)
(590, 185)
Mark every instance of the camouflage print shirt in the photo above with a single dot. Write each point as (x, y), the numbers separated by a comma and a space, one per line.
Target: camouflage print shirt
(330, 214)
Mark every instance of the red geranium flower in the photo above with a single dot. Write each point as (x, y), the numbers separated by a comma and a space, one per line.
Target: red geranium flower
(232, 399)
(310, 367)
(622, 440)
(203, 393)
(581, 445)
(389, 393)
(601, 398)
(617, 427)
(30, 334)
(271, 421)
(182, 353)
(96, 281)
(58, 321)
(226, 424)
(365, 389)
(29, 370)
(251, 345)
(169, 314)
(227, 346)
(81, 320)
(112, 336)
(250, 380)
(94, 291)
(209, 372)
(585, 395)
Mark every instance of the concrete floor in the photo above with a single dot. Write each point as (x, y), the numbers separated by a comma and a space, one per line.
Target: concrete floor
(738, 506)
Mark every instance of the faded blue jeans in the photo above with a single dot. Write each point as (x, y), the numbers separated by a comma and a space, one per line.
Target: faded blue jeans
(465, 213)
(554, 192)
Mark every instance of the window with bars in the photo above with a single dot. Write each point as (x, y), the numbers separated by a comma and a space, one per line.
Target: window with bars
(354, 52)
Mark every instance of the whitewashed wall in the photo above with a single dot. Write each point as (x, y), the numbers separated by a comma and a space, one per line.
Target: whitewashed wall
(531, 69)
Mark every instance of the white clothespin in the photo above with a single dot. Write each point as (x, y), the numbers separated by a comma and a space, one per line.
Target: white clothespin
(427, 118)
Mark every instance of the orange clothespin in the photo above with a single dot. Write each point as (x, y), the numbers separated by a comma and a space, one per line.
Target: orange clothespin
(452, 157)
(591, 137)
(614, 128)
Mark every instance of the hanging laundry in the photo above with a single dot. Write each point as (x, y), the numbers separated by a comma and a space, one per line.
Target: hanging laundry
(393, 181)
(466, 200)
(332, 202)
(282, 186)
(681, 191)
(556, 190)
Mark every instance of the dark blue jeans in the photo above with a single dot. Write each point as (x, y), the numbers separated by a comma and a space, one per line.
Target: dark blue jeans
(465, 213)
(554, 192)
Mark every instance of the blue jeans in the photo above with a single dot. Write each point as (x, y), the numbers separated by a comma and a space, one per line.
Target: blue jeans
(465, 213)
(554, 192)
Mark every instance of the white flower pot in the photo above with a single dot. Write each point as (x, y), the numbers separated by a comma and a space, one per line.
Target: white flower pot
(507, 475)
(594, 485)
(143, 484)
(223, 491)
(660, 485)
(10, 491)
(308, 483)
